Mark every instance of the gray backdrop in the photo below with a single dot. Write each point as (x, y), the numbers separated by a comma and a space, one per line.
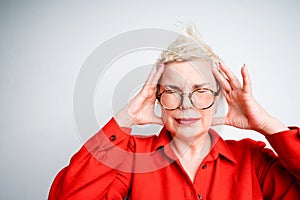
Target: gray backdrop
(45, 43)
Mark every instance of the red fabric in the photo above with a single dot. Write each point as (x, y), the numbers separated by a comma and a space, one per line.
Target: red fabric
(113, 165)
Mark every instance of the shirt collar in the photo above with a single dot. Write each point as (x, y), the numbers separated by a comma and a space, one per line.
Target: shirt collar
(163, 142)
(219, 146)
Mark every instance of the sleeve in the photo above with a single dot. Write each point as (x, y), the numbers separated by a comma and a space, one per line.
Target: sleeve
(101, 169)
(279, 175)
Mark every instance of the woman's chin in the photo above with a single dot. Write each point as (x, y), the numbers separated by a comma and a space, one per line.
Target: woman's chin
(186, 128)
(187, 132)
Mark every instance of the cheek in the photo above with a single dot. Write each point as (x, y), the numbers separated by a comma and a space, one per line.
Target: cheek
(208, 115)
(168, 120)
(165, 115)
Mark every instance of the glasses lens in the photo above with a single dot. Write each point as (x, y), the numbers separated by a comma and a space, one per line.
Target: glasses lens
(202, 98)
(170, 99)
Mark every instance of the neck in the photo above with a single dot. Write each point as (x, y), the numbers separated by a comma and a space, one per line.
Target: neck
(195, 149)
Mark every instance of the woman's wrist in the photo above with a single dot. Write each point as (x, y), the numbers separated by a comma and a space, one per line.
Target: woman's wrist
(123, 119)
(272, 126)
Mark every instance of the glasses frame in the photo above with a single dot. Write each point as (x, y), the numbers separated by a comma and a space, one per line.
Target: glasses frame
(215, 94)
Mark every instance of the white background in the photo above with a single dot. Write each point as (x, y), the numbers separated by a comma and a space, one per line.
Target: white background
(45, 43)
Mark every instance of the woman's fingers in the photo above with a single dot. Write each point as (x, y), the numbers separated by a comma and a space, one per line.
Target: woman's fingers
(224, 83)
(160, 69)
(154, 75)
(229, 81)
(149, 88)
(247, 86)
(232, 79)
(135, 105)
(147, 94)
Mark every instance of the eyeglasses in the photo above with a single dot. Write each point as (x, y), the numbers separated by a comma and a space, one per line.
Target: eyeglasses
(201, 98)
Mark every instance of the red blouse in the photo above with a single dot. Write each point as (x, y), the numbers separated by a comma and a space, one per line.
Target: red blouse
(114, 165)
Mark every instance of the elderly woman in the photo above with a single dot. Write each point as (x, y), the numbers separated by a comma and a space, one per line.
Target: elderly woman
(188, 159)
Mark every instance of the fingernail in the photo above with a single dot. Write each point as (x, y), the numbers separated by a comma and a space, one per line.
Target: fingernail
(221, 64)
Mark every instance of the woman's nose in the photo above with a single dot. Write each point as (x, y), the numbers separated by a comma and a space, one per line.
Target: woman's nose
(186, 102)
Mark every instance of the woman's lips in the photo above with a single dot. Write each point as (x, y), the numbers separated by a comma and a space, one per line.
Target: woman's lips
(186, 121)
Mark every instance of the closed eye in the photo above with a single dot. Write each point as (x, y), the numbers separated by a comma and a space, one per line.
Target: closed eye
(171, 91)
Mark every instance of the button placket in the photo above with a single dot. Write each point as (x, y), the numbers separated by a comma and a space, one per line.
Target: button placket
(199, 196)
(112, 138)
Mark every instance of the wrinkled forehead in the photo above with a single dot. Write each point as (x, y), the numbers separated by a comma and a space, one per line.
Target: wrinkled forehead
(189, 73)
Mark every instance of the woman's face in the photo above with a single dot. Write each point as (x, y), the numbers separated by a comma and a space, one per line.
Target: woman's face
(187, 122)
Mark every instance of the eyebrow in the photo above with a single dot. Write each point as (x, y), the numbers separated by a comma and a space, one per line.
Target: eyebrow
(194, 86)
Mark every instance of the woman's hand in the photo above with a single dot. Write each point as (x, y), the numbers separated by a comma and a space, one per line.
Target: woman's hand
(140, 110)
(243, 110)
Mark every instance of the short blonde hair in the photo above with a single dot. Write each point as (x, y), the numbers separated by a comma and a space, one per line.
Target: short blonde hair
(188, 46)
